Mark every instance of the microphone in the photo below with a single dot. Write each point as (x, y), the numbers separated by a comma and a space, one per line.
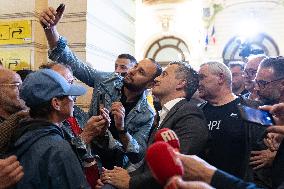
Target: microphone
(169, 136)
(163, 162)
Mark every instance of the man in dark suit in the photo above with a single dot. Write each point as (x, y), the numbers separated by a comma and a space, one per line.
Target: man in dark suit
(174, 88)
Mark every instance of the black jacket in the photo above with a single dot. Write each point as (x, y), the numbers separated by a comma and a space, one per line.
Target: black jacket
(188, 122)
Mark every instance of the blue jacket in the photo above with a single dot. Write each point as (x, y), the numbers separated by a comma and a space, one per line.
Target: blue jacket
(139, 120)
(80, 148)
(47, 159)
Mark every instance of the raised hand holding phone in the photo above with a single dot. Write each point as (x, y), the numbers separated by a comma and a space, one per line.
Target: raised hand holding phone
(50, 17)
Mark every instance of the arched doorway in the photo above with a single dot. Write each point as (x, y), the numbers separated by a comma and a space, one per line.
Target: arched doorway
(167, 49)
(238, 48)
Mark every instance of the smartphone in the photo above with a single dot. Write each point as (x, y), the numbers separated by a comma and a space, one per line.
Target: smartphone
(255, 115)
(60, 8)
(100, 102)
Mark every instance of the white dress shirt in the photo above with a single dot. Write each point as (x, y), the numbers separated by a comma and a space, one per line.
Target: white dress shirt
(167, 107)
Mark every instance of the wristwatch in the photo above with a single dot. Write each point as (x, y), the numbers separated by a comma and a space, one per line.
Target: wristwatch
(122, 132)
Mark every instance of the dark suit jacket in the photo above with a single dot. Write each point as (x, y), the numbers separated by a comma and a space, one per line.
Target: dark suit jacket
(189, 123)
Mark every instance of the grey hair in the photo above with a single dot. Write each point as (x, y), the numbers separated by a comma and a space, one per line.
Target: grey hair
(216, 68)
(257, 56)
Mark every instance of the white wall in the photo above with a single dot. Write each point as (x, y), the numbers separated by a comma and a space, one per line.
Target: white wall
(110, 31)
(187, 24)
(228, 23)
(97, 30)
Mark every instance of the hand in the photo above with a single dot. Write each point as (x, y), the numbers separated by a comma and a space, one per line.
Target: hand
(49, 17)
(177, 183)
(276, 129)
(263, 158)
(105, 114)
(273, 140)
(23, 114)
(94, 127)
(277, 111)
(117, 177)
(100, 184)
(196, 169)
(10, 172)
(118, 113)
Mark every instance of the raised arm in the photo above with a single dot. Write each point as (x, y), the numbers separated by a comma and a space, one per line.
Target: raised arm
(61, 53)
(48, 19)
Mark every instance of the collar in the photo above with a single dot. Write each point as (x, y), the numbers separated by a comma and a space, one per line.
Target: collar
(142, 103)
(168, 106)
(118, 83)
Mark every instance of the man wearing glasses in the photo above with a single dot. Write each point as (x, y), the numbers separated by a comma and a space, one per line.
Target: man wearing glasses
(270, 89)
(249, 75)
(270, 80)
(10, 101)
(10, 113)
(11, 105)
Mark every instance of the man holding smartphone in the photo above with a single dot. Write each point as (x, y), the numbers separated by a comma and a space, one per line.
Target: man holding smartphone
(124, 143)
(270, 89)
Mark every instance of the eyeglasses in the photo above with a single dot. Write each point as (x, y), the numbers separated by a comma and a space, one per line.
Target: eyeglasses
(18, 85)
(250, 72)
(262, 83)
(237, 74)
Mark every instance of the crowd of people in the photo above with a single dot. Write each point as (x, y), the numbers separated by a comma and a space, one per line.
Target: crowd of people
(48, 142)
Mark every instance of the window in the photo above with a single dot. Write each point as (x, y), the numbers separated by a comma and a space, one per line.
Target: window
(168, 49)
(260, 42)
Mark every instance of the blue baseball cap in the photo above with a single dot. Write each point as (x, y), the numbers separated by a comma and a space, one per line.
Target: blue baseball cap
(41, 86)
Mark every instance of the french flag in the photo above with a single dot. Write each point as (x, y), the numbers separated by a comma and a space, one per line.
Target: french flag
(213, 38)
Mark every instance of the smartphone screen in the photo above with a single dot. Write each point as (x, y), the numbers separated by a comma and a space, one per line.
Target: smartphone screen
(256, 116)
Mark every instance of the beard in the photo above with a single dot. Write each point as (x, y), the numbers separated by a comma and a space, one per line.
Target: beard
(123, 74)
(13, 106)
(267, 101)
(133, 87)
(270, 96)
(236, 86)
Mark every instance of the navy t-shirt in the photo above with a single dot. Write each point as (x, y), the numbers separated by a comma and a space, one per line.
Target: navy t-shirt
(226, 146)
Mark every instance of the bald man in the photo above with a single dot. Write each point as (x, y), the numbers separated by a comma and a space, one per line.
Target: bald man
(249, 75)
(11, 111)
(10, 101)
(11, 106)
